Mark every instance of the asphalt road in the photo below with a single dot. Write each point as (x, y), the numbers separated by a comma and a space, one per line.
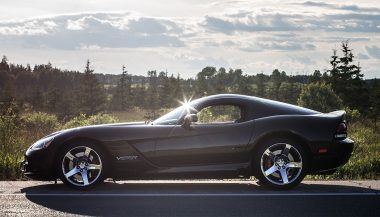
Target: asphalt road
(190, 198)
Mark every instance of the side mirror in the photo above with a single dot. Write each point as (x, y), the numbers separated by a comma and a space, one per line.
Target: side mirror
(188, 119)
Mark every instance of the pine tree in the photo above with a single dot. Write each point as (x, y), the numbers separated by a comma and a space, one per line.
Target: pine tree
(122, 97)
(139, 94)
(277, 78)
(178, 93)
(316, 77)
(4, 64)
(165, 90)
(92, 95)
(6, 84)
(152, 101)
(261, 90)
(346, 79)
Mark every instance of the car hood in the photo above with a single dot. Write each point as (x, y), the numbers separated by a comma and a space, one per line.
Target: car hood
(96, 126)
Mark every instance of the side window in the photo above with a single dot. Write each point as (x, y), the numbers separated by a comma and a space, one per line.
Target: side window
(219, 114)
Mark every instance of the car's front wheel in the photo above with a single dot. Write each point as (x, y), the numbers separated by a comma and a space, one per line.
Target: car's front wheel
(82, 165)
(280, 164)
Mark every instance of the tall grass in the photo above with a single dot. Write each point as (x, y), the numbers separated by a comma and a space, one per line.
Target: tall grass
(365, 160)
(18, 133)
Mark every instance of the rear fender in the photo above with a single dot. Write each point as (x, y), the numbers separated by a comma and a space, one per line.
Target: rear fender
(315, 130)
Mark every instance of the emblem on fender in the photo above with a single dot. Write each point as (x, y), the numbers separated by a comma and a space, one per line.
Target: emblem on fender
(128, 157)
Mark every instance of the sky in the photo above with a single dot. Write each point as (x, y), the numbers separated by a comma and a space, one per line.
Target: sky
(184, 36)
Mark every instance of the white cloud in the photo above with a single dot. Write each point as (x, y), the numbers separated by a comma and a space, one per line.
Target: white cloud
(114, 30)
(75, 25)
(184, 37)
(373, 51)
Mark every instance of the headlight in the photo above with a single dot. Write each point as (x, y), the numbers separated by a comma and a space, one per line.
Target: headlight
(42, 143)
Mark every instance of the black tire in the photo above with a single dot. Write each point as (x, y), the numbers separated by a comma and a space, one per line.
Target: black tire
(82, 165)
(277, 169)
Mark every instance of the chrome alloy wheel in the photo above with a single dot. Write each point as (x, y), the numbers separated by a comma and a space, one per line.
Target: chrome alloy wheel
(281, 164)
(81, 166)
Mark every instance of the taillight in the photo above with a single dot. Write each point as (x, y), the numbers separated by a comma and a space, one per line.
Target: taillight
(341, 131)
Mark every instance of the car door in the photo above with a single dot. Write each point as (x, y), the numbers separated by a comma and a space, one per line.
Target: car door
(208, 141)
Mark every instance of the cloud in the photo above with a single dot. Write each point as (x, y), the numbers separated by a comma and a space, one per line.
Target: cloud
(335, 39)
(355, 8)
(251, 23)
(114, 30)
(279, 42)
(304, 60)
(279, 46)
(373, 51)
(253, 35)
(199, 62)
(353, 22)
(31, 27)
(363, 56)
(273, 21)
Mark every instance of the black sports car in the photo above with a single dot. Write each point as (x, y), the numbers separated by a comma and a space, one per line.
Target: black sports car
(219, 136)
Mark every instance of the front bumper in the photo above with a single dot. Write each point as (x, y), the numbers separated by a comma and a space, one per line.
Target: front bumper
(37, 165)
(338, 155)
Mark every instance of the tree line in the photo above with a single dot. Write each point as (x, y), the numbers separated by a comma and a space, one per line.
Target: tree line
(69, 93)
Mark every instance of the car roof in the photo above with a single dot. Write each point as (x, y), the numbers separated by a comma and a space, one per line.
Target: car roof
(271, 107)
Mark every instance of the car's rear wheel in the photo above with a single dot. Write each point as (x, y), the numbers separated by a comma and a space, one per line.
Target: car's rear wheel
(280, 164)
(82, 165)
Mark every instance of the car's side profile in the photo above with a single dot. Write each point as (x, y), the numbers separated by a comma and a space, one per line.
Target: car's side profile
(219, 136)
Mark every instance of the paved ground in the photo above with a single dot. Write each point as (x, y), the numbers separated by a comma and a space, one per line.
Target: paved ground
(191, 198)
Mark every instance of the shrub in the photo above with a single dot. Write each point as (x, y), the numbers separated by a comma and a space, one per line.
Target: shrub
(11, 145)
(83, 120)
(9, 166)
(36, 125)
(9, 133)
(352, 115)
(320, 97)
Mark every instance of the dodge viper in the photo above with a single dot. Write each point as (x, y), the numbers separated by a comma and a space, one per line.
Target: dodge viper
(219, 136)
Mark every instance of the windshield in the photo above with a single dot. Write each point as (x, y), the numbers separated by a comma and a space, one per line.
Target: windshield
(170, 118)
(174, 116)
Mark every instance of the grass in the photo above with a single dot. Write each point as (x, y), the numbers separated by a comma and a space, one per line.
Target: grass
(365, 160)
(134, 114)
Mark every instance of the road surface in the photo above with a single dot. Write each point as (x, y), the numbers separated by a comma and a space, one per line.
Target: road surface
(190, 198)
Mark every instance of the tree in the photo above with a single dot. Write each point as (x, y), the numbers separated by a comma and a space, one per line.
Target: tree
(319, 97)
(180, 89)
(221, 80)
(122, 98)
(289, 92)
(38, 99)
(139, 94)
(346, 79)
(261, 90)
(277, 79)
(6, 85)
(4, 66)
(152, 103)
(244, 86)
(165, 89)
(91, 94)
(203, 85)
(316, 77)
